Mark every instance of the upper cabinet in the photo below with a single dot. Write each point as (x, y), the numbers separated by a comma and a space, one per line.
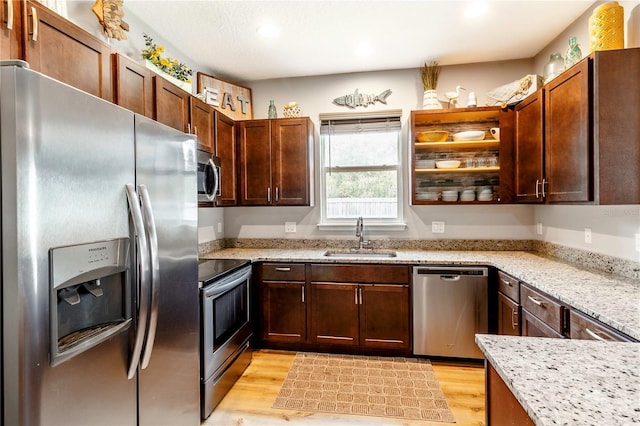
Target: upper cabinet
(60, 49)
(225, 148)
(132, 85)
(462, 155)
(276, 162)
(577, 139)
(171, 105)
(10, 29)
(202, 120)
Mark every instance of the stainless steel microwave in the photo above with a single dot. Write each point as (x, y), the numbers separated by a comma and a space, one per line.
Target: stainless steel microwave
(208, 178)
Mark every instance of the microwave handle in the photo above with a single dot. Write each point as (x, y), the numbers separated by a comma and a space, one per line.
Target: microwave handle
(212, 191)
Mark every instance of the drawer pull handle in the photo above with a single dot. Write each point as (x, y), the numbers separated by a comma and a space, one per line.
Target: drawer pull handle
(537, 191)
(507, 282)
(514, 319)
(34, 24)
(283, 269)
(9, 15)
(594, 335)
(537, 302)
(302, 294)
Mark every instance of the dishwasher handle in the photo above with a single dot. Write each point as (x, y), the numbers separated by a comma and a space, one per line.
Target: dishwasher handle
(450, 277)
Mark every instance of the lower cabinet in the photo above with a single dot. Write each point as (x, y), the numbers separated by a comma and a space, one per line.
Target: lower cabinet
(542, 315)
(502, 407)
(586, 328)
(508, 305)
(333, 307)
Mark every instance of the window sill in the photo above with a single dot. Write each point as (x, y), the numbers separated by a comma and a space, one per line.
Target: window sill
(369, 226)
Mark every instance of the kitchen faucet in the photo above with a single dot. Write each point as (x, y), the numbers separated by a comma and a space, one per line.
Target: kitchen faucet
(360, 234)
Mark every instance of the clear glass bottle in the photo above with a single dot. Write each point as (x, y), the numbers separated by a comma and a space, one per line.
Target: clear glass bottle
(273, 113)
(554, 67)
(574, 54)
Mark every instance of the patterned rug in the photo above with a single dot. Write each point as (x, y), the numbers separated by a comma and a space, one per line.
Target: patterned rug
(375, 386)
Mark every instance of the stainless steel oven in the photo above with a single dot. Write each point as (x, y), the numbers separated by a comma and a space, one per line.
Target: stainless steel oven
(226, 327)
(208, 178)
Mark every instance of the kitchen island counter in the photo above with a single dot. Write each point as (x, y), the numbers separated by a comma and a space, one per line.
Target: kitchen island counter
(569, 382)
(610, 298)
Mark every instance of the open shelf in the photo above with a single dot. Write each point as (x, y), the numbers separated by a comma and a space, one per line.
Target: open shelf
(477, 144)
(461, 170)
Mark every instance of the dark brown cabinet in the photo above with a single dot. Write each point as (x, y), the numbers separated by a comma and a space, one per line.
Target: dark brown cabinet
(502, 407)
(132, 85)
(587, 328)
(284, 308)
(171, 105)
(225, 148)
(542, 315)
(577, 138)
(202, 123)
(60, 49)
(508, 305)
(276, 162)
(361, 306)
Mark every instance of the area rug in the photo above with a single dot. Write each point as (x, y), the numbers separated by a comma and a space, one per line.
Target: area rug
(375, 386)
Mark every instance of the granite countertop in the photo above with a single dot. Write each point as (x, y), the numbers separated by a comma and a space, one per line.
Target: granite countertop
(612, 299)
(569, 382)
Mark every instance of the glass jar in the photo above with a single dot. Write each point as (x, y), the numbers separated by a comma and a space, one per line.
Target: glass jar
(272, 110)
(574, 54)
(554, 67)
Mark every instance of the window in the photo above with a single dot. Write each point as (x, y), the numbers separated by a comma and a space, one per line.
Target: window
(360, 168)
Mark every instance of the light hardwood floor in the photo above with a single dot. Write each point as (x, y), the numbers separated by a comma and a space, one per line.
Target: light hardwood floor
(249, 402)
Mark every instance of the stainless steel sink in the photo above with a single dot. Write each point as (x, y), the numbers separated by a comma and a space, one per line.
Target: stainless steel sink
(360, 253)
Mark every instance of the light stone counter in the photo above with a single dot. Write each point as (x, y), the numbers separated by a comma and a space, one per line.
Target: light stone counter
(569, 382)
(612, 299)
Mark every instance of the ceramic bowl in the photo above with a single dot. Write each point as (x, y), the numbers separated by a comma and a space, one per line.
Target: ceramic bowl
(448, 164)
(434, 136)
(469, 135)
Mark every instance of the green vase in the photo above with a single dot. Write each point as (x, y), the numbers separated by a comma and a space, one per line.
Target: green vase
(574, 54)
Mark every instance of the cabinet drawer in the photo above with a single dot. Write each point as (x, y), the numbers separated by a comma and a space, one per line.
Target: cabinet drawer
(387, 274)
(543, 307)
(509, 286)
(587, 328)
(283, 271)
(534, 327)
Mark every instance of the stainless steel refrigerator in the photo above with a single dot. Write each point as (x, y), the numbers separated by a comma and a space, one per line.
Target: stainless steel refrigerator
(99, 261)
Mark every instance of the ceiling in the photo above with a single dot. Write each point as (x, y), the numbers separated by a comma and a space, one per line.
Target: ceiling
(321, 37)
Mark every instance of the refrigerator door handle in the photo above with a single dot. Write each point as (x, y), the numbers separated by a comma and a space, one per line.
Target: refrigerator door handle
(150, 224)
(144, 271)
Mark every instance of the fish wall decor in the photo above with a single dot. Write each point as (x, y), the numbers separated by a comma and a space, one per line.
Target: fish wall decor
(357, 99)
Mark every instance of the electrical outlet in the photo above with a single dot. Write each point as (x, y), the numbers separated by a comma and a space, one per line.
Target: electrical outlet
(437, 227)
(289, 227)
(219, 226)
(638, 243)
(539, 228)
(587, 235)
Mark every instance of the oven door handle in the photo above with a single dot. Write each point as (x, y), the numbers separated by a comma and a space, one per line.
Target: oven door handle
(149, 221)
(213, 291)
(143, 276)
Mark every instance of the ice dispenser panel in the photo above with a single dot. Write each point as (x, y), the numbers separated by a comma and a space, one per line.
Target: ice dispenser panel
(90, 296)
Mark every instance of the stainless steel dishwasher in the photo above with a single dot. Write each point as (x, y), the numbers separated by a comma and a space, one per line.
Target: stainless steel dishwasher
(450, 305)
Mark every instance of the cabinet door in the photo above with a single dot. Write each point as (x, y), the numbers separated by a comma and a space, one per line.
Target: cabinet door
(172, 104)
(202, 118)
(225, 148)
(568, 142)
(133, 86)
(384, 316)
(255, 163)
(508, 316)
(529, 152)
(533, 327)
(61, 50)
(284, 312)
(334, 314)
(290, 161)
(503, 409)
(10, 29)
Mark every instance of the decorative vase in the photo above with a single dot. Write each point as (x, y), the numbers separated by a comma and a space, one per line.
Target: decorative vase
(184, 85)
(554, 67)
(430, 100)
(606, 27)
(272, 110)
(574, 54)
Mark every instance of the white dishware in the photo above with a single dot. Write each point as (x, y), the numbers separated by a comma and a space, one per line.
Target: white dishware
(448, 164)
(495, 132)
(469, 135)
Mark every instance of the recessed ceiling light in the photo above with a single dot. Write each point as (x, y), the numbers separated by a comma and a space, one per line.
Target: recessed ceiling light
(364, 49)
(268, 31)
(475, 9)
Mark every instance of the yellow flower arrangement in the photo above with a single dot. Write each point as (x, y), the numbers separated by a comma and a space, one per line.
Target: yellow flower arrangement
(169, 65)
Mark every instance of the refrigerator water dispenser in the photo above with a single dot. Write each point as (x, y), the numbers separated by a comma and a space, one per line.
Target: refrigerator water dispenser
(90, 296)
